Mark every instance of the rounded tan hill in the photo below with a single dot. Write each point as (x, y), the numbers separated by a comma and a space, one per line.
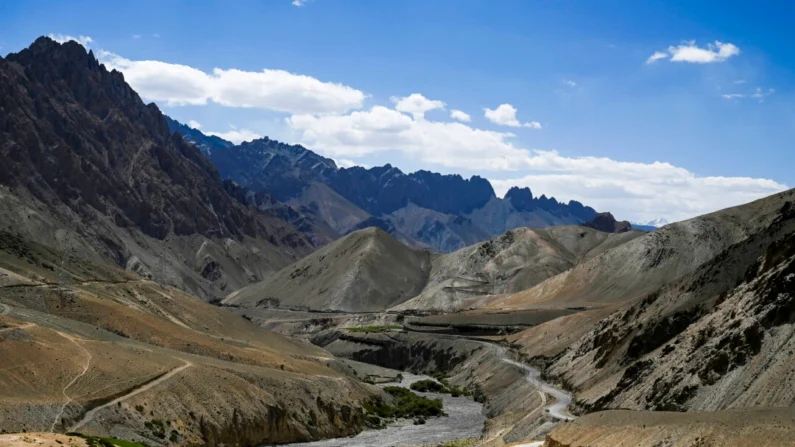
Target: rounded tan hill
(774, 427)
(365, 271)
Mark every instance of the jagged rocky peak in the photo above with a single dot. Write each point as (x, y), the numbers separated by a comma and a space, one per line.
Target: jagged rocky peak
(607, 223)
(521, 198)
(80, 145)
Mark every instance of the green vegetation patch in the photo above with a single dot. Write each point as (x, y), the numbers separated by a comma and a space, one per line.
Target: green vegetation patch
(386, 328)
(442, 386)
(407, 405)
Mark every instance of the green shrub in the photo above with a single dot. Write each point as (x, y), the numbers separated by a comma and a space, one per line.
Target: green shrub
(407, 405)
(428, 386)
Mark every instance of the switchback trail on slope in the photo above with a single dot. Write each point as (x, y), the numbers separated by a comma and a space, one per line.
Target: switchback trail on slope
(90, 414)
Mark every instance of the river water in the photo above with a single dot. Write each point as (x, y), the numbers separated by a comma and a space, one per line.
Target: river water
(464, 419)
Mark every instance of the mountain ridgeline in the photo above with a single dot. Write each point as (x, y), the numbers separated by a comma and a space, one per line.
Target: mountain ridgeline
(424, 209)
(89, 168)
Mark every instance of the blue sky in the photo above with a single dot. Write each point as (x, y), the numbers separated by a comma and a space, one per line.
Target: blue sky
(585, 114)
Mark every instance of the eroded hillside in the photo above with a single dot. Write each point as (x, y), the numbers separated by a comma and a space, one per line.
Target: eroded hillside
(90, 348)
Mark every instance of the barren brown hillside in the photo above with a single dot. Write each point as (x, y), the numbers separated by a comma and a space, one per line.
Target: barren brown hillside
(112, 354)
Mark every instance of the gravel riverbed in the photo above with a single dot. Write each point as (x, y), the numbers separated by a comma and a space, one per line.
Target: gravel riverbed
(465, 419)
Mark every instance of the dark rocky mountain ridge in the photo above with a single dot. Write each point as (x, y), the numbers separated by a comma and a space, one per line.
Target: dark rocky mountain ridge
(101, 169)
(426, 209)
(607, 223)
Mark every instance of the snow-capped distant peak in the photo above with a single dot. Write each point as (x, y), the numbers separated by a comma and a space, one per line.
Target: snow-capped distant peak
(657, 223)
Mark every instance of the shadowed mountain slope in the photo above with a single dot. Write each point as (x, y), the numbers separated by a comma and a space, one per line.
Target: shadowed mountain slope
(88, 166)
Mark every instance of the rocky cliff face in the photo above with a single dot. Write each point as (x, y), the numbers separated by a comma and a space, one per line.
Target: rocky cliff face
(80, 147)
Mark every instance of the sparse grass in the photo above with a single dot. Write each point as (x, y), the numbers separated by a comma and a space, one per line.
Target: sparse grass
(385, 328)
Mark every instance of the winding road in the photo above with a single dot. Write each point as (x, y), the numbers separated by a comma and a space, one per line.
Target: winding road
(558, 409)
(562, 400)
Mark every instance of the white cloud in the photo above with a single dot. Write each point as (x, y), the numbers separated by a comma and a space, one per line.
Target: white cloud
(570, 83)
(460, 116)
(638, 191)
(732, 96)
(194, 124)
(277, 90)
(656, 56)
(155, 35)
(740, 81)
(236, 136)
(62, 38)
(762, 94)
(692, 53)
(299, 3)
(505, 115)
(416, 104)
(136, 36)
(345, 163)
(759, 94)
(381, 129)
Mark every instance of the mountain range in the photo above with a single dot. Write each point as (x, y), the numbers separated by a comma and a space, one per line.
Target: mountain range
(119, 224)
(423, 209)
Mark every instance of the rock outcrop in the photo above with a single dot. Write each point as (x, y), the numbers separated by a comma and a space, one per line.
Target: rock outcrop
(607, 223)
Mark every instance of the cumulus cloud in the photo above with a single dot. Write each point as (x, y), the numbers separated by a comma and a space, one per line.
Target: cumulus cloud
(416, 104)
(692, 53)
(236, 136)
(278, 90)
(570, 83)
(381, 129)
(505, 115)
(460, 116)
(638, 191)
(63, 38)
(193, 124)
(299, 3)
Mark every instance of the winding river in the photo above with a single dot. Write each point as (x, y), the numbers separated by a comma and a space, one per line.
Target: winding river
(464, 419)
